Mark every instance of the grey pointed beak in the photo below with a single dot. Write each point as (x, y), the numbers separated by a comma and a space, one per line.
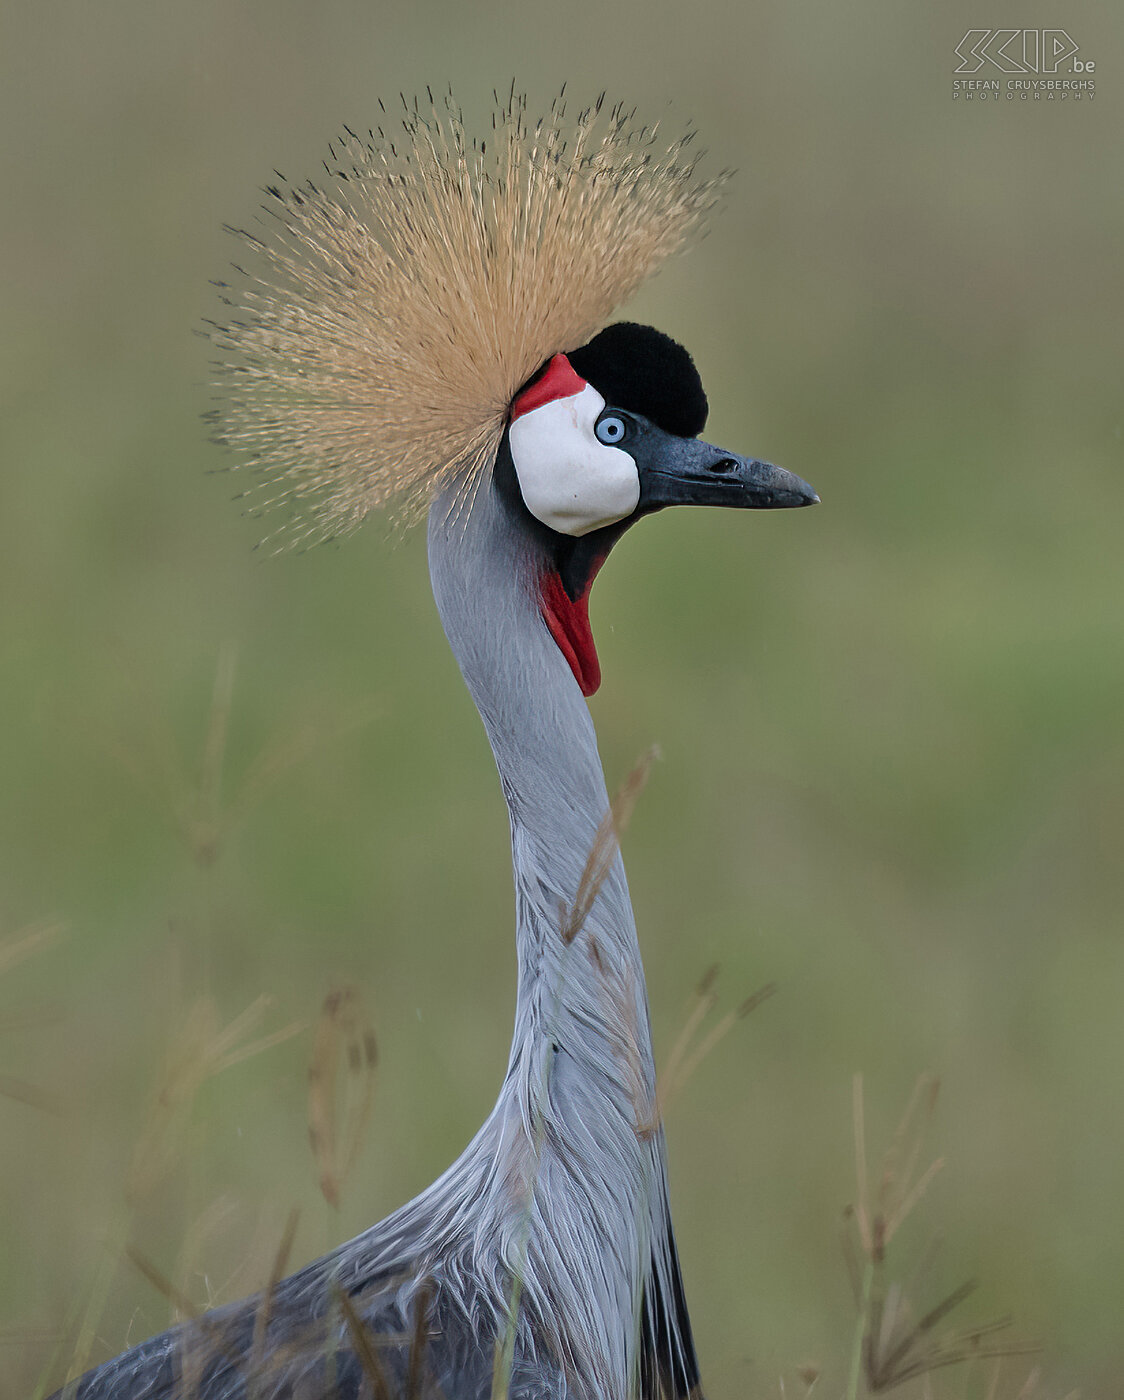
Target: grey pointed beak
(686, 471)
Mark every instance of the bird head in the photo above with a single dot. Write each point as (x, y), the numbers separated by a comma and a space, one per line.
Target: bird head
(402, 329)
(602, 436)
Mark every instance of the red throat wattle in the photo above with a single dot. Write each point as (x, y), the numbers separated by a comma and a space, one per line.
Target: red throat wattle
(568, 621)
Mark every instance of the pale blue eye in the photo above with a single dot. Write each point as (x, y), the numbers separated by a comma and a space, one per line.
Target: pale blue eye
(610, 429)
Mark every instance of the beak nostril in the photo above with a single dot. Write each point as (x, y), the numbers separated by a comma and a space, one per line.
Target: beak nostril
(727, 464)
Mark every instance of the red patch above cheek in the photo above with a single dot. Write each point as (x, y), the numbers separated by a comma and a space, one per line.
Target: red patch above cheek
(568, 621)
(557, 381)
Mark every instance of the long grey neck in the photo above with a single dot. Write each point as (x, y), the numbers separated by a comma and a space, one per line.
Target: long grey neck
(485, 570)
(568, 1171)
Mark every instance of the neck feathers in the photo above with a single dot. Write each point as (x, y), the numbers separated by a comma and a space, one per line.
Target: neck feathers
(572, 1154)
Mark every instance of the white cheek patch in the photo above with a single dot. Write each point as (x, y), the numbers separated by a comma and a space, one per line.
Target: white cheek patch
(569, 480)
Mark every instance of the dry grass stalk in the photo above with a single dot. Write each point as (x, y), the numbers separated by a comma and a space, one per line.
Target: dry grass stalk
(209, 1331)
(216, 1219)
(621, 995)
(415, 1368)
(202, 1048)
(27, 942)
(290, 749)
(183, 1305)
(690, 1063)
(501, 1364)
(208, 1339)
(806, 1374)
(622, 999)
(606, 844)
(365, 1349)
(190, 794)
(338, 1114)
(683, 1061)
(1029, 1390)
(897, 1192)
(30, 1095)
(17, 948)
(265, 1308)
(893, 1345)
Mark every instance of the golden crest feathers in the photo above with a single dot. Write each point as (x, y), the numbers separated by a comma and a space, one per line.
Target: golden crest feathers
(389, 312)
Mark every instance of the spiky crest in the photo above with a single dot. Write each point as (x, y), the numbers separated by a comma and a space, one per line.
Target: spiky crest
(391, 311)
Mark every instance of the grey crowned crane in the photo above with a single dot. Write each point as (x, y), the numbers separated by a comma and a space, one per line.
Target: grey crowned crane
(427, 328)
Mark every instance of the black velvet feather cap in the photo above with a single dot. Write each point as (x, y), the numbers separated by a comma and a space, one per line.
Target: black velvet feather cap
(640, 369)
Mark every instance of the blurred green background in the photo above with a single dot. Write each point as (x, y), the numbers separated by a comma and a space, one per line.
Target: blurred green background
(890, 727)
